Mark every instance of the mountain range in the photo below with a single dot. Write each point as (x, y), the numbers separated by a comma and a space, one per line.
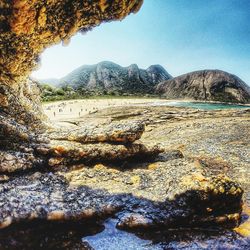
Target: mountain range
(110, 78)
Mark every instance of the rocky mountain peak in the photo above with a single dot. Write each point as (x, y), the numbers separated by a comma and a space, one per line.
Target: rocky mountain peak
(158, 73)
(110, 77)
(209, 85)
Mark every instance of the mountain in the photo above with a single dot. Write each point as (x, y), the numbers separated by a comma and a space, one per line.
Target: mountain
(210, 85)
(110, 77)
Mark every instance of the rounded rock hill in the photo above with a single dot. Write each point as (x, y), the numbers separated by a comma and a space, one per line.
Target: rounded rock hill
(208, 85)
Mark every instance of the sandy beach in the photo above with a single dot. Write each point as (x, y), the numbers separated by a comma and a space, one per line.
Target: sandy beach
(65, 110)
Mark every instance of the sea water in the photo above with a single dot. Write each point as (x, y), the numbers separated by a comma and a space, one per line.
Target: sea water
(202, 105)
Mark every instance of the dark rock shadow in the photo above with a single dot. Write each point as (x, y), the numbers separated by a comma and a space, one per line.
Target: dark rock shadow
(79, 211)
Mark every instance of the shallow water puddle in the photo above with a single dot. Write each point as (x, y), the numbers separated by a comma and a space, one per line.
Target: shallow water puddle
(112, 238)
(244, 228)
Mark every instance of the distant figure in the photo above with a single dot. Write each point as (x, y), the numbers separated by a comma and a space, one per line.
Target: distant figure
(54, 114)
(79, 113)
(70, 109)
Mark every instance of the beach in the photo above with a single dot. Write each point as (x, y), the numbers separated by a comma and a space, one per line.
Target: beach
(65, 110)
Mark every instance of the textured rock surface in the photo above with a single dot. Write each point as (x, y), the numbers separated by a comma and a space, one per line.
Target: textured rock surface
(136, 196)
(62, 147)
(196, 197)
(112, 78)
(114, 132)
(12, 161)
(27, 28)
(22, 105)
(64, 153)
(86, 143)
(180, 188)
(210, 85)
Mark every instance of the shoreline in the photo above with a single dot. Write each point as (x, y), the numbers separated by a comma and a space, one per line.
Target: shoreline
(144, 97)
(78, 108)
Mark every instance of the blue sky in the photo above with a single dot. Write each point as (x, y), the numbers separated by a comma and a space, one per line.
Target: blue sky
(181, 35)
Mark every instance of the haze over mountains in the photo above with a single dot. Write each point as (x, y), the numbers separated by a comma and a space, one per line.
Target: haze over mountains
(110, 78)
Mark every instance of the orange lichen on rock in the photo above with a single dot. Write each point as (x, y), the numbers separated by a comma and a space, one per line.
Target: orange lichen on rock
(135, 179)
(103, 5)
(42, 17)
(3, 101)
(152, 166)
(29, 27)
(244, 228)
(24, 17)
(59, 150)
(56, 215)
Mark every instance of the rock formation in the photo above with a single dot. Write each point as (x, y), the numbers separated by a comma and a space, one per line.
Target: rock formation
(115, 132)
(87, 193)
(209, 85)
(61, 180)
(28, 27)
(111, 78)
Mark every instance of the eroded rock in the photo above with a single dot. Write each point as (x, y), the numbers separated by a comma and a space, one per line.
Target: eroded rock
(152, 199)
(12, 161)
(114, 132)
(27, 28)
(171, 195)
(66, 152)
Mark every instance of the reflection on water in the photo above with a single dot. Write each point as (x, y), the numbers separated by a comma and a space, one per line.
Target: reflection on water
(48, 235)
(202, 105)
(209, 238)
(112, 238)
(44, 235)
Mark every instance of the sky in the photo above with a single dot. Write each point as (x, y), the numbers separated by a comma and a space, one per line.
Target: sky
(181, 35)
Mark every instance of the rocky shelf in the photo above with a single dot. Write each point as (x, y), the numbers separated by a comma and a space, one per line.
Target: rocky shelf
(42, 172)
(91, 172)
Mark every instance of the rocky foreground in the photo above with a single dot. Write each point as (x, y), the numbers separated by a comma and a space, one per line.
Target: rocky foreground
(60, 186)
(88, 172)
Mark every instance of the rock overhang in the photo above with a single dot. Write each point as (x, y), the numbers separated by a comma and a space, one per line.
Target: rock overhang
(28, 27)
